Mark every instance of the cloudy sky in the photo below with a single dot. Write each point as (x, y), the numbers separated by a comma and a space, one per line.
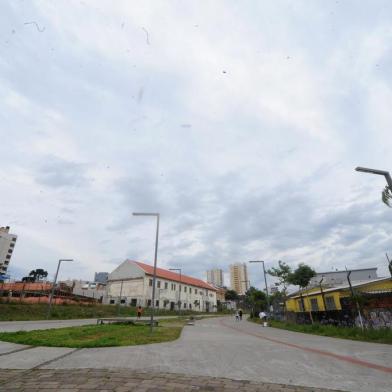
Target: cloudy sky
(240, 122)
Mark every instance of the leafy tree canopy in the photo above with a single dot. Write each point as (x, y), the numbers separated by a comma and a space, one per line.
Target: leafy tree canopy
(255, 299)
(283, 273)
(37, 274)
(302, 275)
(231, 295)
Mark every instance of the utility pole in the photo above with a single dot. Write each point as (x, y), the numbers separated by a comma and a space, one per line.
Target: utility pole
(265, 281)
(154, 278)
(119, 302)
(322, 294)
(354, 299)
(54, 285)
(389, 264)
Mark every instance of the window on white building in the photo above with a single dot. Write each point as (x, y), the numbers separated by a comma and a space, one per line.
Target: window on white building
(150, 282)
(159, 284)
(184, 289)
(166, 285)
(157, 303)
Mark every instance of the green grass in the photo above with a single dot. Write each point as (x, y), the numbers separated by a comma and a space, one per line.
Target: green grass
(89, 336)
(368, 335)
(24, 312)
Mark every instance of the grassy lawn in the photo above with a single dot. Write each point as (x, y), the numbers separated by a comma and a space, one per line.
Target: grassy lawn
(97, 335)
(24, 312)
(368, 335)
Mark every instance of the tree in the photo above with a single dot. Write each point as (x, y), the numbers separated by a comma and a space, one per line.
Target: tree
(231, 295)
(256, 300)
(35, 275)
(28, 279)
(301, 277)
(277, 299)
(283, 273)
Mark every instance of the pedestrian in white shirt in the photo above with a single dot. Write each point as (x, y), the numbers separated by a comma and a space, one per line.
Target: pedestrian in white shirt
(263, 318)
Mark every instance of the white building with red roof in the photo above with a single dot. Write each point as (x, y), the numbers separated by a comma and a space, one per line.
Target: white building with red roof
(131, 284)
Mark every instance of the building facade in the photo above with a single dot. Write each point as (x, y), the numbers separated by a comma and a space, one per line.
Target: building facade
(239, 278)
(131, 284)
(215, 277)
(332, 299)
(101, 277)
(82, 288)
(7, 246)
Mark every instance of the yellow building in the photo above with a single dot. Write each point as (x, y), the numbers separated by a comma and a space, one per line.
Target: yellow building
(318, 300)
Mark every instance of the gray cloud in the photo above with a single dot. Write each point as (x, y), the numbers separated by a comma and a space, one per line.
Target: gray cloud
(58, 173)
(255, 162)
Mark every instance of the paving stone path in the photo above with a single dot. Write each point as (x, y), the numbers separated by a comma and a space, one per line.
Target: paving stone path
(122, 380)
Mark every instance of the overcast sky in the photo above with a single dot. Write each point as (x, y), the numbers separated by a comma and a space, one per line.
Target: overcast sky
(240, 122)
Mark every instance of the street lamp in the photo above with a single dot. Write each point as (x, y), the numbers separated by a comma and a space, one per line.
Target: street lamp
(179, 295)
(54, 284)
(265, 280)
(387, 192)
(155, 262)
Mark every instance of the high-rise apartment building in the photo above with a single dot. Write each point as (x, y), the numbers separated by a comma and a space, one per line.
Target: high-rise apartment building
(7, 245)
(239, 278)
(215, 277)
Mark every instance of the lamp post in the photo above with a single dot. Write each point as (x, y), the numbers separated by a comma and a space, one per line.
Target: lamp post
(179, 294)
(386, 194)
(265, 281)
(155, 214)
(354, 299)
(54, 284)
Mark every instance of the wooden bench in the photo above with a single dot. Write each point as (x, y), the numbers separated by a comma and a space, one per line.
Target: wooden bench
(119, 320)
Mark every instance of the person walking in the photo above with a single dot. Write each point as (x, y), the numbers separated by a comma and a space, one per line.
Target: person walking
(263, 318)
(237, 316)
(139, 312)
(240, 314)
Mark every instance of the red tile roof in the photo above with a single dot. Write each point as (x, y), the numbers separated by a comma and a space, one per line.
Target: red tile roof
(170, 275)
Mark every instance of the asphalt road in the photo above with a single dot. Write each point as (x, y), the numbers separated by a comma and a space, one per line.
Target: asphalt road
(222, 347)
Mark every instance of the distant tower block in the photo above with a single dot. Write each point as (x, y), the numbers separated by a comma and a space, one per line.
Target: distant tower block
(215, 277)
(239, 278)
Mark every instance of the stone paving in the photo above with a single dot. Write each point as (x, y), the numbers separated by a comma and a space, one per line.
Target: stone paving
(122, 380)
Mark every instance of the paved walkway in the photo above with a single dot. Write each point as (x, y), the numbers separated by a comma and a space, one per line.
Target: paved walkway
(222, 347)
(122, 380)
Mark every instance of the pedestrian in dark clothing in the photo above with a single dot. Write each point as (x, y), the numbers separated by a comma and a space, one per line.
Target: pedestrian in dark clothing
(240, 314)
(139, 312)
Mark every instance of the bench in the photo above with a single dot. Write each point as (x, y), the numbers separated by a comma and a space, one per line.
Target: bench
(119, 320)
